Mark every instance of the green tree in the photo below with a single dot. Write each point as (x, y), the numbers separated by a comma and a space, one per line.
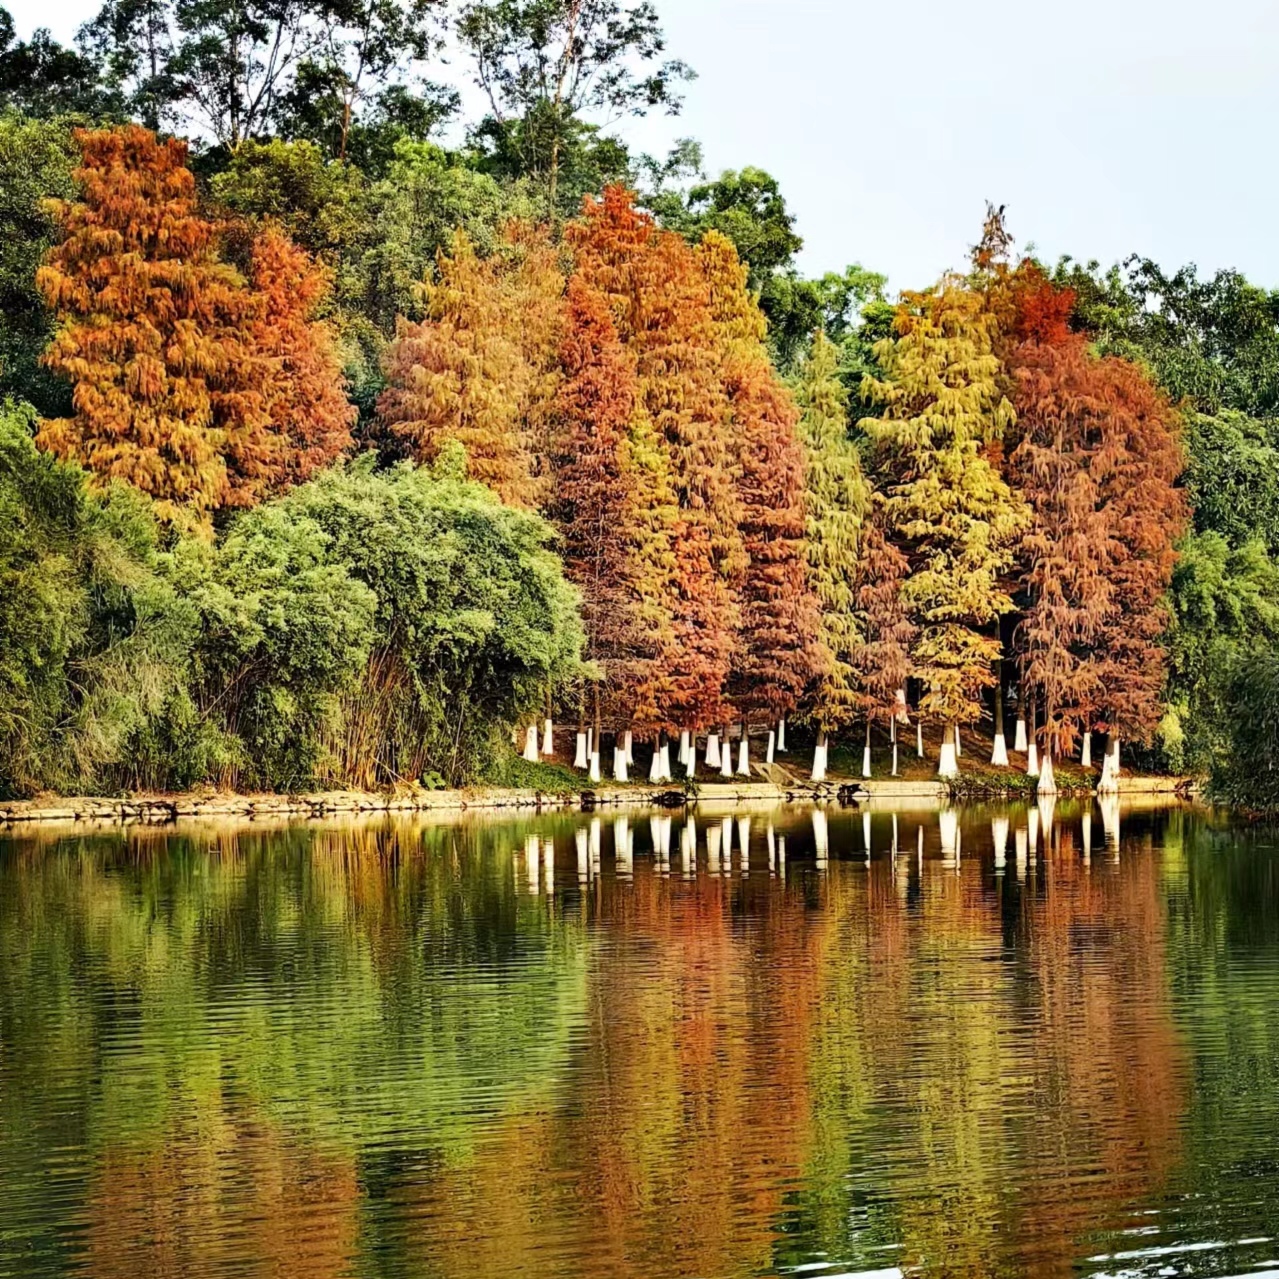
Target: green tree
(837, 499)
(43, 79)
(36, 163)
(547, 66)
(947, 506)
(93, 640)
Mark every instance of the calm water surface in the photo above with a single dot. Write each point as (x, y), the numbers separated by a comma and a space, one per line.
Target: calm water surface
(994, 1042)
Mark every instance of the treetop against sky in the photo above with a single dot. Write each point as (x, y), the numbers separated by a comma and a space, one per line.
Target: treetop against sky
(1084, 120)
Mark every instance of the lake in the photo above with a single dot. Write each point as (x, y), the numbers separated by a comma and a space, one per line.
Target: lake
(994, 1041)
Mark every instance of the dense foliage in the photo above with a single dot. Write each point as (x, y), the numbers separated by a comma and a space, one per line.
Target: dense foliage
(776, 497)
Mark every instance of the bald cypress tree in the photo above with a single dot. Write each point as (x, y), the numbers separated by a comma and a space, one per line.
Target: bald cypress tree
(837, 498)
(777, 651)
(474, 369)
(660, 304)
(153, 332)
(947, 508)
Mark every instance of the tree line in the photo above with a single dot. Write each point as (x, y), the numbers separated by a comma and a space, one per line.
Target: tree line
(1047, 489)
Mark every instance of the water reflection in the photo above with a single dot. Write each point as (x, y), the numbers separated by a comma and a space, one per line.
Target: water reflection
(725, 1043)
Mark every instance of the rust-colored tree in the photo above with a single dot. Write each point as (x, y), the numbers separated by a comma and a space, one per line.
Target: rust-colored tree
(660, 304)
(461, 374)
(153, 331)
(777, 652)
(603, 505)
(1136, 467)
(309, 414)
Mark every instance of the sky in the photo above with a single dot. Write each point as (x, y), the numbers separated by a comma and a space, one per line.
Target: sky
(1106, 127)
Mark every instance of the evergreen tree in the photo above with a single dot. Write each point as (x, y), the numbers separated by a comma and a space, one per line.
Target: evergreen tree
(777, 651)
(153, 331)
(947, 507)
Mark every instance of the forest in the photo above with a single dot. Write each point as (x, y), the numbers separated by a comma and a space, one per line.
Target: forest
(332, 454)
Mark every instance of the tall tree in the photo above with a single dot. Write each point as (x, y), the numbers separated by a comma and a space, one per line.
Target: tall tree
(946, 505)
(43, 79)
(544, 65)
(37, 158)
(837, 499)
(1137, 468)
(605, 510)
(661, 306)
(1063, 565)
(462, 374)
(778, 649)
(310, 416)
(152, 331)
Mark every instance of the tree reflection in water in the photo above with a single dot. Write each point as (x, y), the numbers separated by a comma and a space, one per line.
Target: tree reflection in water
(633, 1047)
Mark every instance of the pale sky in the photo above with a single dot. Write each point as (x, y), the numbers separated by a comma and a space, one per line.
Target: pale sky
(1105, 126)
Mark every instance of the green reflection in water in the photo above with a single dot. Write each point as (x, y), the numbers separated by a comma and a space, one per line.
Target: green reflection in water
(1039, 1042)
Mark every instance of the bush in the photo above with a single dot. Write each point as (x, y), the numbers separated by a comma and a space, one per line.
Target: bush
(93, 640)
(1247, 772)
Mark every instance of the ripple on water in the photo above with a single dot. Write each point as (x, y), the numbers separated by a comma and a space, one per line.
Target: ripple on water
(984, 1042)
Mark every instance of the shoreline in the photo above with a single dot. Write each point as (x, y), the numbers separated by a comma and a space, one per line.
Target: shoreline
(164, 810)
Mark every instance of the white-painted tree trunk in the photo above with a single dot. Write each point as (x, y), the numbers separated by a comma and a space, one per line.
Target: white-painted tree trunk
(819, 759)
(769, 750)
(781, 735)
(902, 715)
(548, 737)
(655, 765)
(1109, 783)
(684, 746)
(999, 756)
(619, 765)
(1032, 760)
(712, 750)
(530, 744)
(690, 766)
(581, 759)
(628, 745)
(958, 752)
(595, 766)
(1019, 737)
(865, 761)
(744, 756)
(667, 774)
(1047, 786)
(894, 759)
(726, 757)
(1085, 754)
(919, 738)
(947, 765)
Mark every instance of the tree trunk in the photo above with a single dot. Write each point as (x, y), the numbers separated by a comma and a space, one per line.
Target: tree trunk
(947, 765)
(999, 755)
(866, 751)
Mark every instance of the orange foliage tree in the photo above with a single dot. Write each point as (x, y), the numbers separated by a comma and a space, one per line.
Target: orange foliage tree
(474, 370)
(660, 304)
(153, 331)
(778, 649)
(603, 507)
(310, 417)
